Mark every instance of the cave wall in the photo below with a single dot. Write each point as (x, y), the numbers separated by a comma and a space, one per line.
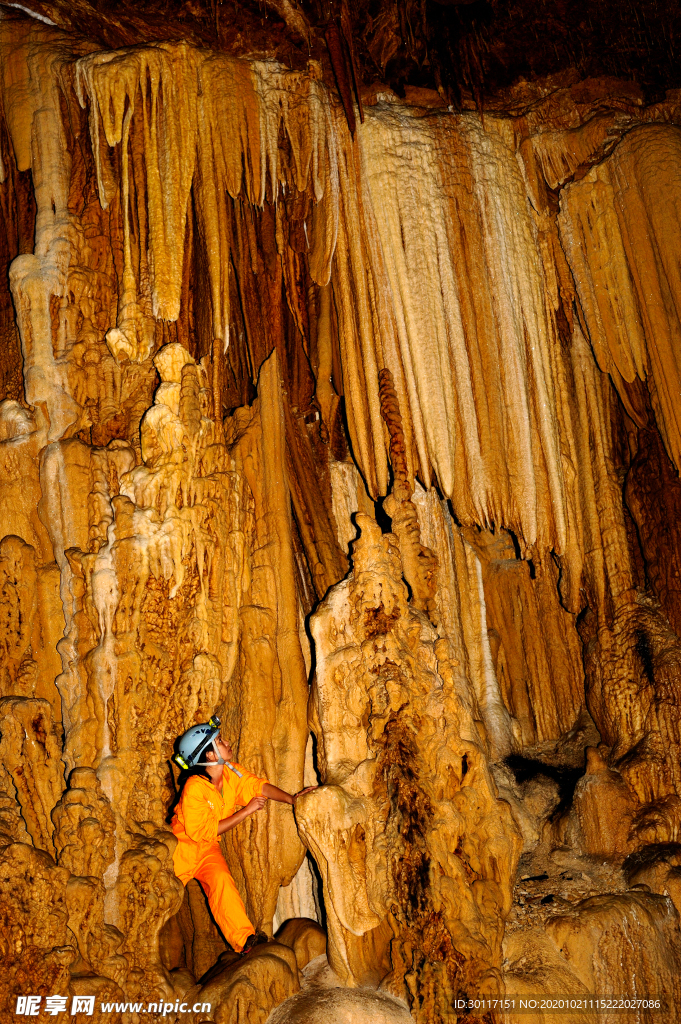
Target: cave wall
(370, 437)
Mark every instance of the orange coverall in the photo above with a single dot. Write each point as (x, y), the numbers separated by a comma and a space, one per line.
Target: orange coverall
(198, 855)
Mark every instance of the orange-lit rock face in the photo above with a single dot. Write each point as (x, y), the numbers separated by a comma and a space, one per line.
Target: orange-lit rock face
(369, 443)
(416, 854)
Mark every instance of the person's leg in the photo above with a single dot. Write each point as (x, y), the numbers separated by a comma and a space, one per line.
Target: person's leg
(224, 899)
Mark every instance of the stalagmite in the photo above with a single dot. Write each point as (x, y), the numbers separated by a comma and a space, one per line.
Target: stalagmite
(409, 835)
(354, 420)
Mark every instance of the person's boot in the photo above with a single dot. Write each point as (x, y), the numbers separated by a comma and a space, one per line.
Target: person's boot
(256, 939)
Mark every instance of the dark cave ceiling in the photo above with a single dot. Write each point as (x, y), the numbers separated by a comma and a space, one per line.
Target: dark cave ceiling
(466, 50)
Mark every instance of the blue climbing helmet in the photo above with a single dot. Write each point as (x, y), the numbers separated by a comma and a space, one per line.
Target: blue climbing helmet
(195, 742)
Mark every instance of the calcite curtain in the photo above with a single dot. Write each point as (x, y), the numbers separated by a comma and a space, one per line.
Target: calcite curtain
(369, 441)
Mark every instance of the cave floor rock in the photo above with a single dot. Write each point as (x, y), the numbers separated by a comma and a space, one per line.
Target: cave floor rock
(323, 1000)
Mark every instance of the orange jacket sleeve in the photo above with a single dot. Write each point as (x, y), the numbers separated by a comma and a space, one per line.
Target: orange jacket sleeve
(198, 817)
(248, 786)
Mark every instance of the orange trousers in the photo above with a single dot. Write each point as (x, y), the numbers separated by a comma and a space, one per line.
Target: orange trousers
(223, 896)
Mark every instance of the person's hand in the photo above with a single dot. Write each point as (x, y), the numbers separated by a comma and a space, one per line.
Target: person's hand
(310, 789)
(256, 804)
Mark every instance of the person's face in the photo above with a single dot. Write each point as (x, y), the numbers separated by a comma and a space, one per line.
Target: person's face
(225, 748)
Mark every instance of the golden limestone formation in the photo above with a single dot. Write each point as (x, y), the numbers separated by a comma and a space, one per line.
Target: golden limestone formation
(415, 852)
(419, 566)
(34, 916)
(615, 225)
(367, 441)
(193, 106)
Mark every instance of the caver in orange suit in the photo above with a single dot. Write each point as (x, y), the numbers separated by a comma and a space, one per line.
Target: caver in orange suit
(198, 854)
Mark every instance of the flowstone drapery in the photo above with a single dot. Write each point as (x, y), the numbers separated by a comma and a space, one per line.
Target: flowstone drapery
(368, 441)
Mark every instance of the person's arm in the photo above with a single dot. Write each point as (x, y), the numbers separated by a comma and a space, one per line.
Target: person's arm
(256, 804)
(274, 793)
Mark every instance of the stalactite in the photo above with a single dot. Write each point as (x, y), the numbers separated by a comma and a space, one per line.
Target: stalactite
(440, 342)
(630, 298)
(184, 94)
(340, 64)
